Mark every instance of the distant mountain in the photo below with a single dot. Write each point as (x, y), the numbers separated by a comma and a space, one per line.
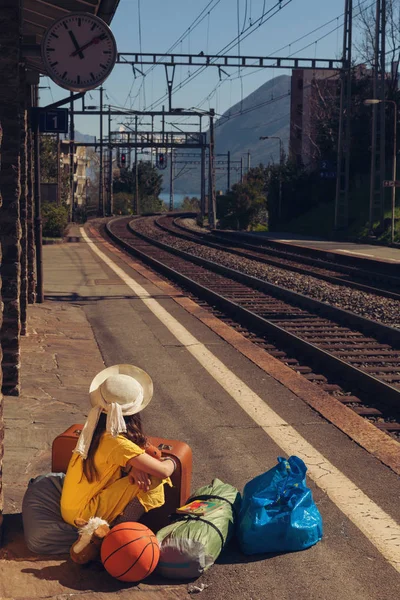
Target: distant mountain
(83, 137)
(265, 112)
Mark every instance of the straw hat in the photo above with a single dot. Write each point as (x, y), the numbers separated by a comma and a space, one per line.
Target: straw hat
(127, 385)
(119, 391)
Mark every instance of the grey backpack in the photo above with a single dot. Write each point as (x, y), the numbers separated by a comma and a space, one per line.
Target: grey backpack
(44, 528)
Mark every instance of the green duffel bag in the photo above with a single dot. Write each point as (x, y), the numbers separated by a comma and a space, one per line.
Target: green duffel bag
(192, 543)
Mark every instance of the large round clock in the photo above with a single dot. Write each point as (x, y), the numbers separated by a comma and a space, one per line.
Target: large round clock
(79, 51)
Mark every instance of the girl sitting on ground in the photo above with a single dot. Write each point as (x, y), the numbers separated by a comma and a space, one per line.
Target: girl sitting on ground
(110, 445)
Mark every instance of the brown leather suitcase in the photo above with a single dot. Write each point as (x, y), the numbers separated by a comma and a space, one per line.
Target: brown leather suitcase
(64, 444)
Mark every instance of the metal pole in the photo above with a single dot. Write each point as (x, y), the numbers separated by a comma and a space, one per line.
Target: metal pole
(137, 202)
(229, 171)
(280, 179)
(58, 171)
(211, 177)
(171, 182)
(110, 175)
(241, 169)
(382, 112)
(248, 161)
(38, 216)
(151, 149)
(101, 182)
(394, 167)
(344, 138)
(203, 183)
(71, 160)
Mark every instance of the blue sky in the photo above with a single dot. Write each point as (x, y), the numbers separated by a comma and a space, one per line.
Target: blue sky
(163, 22)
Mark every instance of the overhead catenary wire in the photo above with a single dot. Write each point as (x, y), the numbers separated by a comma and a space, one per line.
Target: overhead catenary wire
(241, 76)
(195, 23)
(255, 107)
(314, 42)
(277, 6)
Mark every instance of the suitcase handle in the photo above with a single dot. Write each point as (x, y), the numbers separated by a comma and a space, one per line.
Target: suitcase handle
(164, 447)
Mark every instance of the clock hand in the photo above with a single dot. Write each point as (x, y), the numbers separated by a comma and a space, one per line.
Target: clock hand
(95, 40)
(75, 42)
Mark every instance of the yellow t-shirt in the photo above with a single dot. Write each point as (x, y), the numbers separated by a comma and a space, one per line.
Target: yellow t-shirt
(107, 496)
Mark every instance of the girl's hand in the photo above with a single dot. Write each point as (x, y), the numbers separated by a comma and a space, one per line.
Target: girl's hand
(140, 478)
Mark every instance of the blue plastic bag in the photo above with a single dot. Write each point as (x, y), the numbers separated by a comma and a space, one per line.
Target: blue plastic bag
(278, 513)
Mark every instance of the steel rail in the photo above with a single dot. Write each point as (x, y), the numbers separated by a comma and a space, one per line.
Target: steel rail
(377, 266)
(258, 255)
(370, 385)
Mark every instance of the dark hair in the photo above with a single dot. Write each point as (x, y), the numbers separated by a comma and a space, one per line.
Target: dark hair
(134, 434)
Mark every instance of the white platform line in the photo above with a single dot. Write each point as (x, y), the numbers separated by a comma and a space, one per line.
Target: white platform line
(394, 260)
(379, 527)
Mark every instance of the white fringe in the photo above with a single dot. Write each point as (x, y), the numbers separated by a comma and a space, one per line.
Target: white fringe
(87, 531)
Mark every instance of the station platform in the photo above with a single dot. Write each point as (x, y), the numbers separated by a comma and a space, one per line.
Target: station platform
(102, 308)
(348, 253)
(370, 251)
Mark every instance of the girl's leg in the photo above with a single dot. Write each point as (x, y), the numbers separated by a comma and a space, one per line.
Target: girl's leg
(133, 512)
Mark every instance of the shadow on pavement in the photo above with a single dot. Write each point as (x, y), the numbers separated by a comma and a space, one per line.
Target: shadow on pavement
(232, 555)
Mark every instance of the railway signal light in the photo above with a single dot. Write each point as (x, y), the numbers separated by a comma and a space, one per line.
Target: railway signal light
(161, 161)
(123, 159)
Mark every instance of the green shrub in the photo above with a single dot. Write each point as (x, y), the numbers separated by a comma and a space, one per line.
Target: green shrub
(55, 220)
(122, 203)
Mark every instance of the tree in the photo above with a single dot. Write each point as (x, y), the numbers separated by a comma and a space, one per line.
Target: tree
(122, 204)
(149, 183)
(365, 40)
(190, 204)
(245, 205)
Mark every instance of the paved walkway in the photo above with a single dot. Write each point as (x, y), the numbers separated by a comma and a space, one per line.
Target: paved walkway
(59, 357)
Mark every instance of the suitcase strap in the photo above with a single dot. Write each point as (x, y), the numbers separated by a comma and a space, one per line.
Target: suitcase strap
(188, 517)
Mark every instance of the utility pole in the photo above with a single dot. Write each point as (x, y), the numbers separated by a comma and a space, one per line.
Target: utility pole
(171, 182)
(110, 172)
(377, 191)
(229, 171)
(241, 170)
(71, 160)
(151, 149)
(137, 202)
(203, 184)
(276, 137)
(212, 217)
(343, 156)
(248, 161)
(101, 181)
(58, 171)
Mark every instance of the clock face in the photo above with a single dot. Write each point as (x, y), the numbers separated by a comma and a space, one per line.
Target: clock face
(79, 51)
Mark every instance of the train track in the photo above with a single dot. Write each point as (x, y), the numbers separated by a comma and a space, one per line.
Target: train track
(327, 345)
(374, 267)
(352, 277)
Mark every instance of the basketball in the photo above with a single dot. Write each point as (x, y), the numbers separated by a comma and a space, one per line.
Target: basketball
(130, 552)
